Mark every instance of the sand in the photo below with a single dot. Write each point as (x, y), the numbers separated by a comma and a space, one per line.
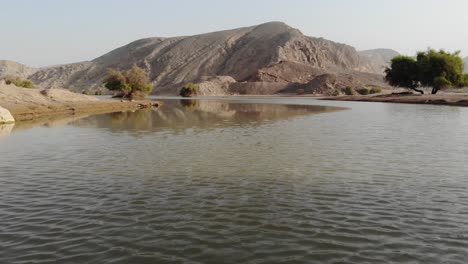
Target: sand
(32, 104)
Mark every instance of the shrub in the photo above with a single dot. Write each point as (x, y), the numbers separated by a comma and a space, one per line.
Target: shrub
(135, 80)
(375, 90)
(189, 90)
(349, 91)
(87, 92)
(99, 92)
(335, 93)
(363, 91)
(19, 82)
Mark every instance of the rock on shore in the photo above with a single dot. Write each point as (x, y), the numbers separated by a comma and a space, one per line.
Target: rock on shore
(5, 116)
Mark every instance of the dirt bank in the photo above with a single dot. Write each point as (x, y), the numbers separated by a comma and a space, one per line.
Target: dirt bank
(440, 99)
(30, 104)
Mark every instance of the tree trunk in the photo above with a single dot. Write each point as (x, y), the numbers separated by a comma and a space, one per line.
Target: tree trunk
(434, 90)
(418, 90)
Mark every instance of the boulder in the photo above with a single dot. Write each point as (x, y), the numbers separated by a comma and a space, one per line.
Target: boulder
(5, 116)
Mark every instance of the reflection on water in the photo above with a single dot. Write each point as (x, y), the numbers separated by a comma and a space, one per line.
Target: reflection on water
(5, 129)
(239, 181)
(178, 115)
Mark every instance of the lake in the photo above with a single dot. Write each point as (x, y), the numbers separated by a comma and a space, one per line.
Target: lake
(239, 180)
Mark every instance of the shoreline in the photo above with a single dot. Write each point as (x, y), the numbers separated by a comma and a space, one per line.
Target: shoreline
(438, 99)
(33, 104)
(32, 112)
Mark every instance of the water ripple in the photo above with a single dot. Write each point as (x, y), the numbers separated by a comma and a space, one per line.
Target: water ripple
(307, 189)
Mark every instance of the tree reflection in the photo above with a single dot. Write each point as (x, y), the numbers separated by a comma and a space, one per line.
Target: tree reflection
(176, 116)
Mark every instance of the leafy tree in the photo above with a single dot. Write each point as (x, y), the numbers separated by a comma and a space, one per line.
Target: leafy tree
(138, 80)
(189, 90)
(465, 80)
(403, 72)
(128, 82)
(431, 68)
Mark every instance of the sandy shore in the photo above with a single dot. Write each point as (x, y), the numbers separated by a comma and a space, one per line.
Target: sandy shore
(33, 104)
(440, 99)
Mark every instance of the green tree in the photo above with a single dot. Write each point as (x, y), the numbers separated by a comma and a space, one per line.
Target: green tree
(403, 72)
(431, 68)
(465, 80)
(129, 83)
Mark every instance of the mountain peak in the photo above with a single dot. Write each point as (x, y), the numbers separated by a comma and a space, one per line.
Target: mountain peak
(261, 59)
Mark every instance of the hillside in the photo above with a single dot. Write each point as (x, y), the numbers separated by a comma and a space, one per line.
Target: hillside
(263, 59)
(377, 59)
(15, 69)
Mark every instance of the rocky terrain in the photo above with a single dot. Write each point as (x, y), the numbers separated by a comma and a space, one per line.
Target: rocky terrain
(265, 59)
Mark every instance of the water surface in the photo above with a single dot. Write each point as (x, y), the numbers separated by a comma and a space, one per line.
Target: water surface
(248, 180)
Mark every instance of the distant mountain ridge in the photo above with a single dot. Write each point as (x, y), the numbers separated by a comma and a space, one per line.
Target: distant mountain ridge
(15, 69)
(378, 59)
(264, 59)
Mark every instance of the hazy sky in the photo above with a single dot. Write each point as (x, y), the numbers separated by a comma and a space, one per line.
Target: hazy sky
(46, 32)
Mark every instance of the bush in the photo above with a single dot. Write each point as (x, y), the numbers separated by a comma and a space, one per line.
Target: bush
(19, 82)
(375, 90)
(87, 92)
(99, 92)
(135, 80)
(363, 91)
(335, 93)
(189, 90)
(349, 91)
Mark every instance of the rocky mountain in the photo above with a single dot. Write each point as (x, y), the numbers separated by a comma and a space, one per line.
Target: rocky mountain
(465, 60)
(264, 59)
(377, 59)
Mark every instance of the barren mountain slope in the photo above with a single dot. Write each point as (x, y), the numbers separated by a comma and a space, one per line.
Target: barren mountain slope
(255, 56)
(377, 59)
(15, 69)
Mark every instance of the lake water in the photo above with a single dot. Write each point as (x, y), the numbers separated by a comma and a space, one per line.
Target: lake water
(246, 180)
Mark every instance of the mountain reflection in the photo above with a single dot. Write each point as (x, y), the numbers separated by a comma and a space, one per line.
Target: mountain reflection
(179, 115)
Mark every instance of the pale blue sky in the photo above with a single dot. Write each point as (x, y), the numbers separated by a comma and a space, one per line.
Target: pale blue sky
(46, 32)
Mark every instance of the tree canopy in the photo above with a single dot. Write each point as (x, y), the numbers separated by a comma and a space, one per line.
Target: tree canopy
(135, 80)
(431, 68)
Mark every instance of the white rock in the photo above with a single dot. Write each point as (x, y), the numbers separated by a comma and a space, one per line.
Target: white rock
(5, 116)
